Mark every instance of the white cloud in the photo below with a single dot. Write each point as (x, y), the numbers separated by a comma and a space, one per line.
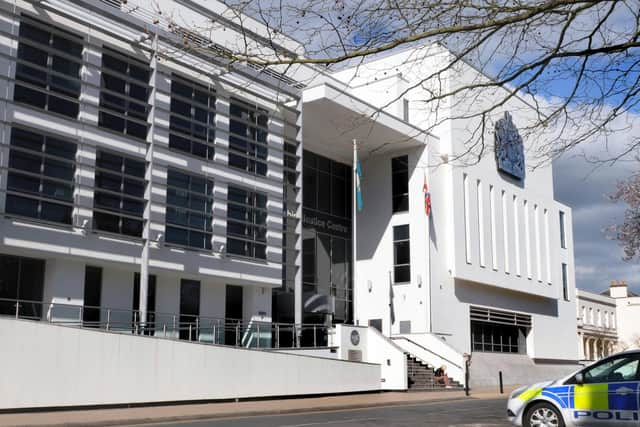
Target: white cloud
(585, 187)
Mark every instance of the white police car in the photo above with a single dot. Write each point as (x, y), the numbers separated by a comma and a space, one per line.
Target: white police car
(604, 393)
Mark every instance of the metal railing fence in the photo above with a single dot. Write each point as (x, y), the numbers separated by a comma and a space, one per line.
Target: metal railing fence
(203, 329)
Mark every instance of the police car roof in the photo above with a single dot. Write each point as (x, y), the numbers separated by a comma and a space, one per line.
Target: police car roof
(633, 351)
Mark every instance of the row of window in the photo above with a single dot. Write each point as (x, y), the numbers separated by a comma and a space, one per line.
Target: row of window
(598, 317)
(40, 184)
(48, 77)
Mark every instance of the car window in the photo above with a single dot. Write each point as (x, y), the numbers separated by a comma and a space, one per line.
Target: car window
(624, 368)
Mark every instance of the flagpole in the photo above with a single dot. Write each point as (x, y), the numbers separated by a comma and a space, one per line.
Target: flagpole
(354, 213)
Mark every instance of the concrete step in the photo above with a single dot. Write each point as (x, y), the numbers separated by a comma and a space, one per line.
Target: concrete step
(421, 377)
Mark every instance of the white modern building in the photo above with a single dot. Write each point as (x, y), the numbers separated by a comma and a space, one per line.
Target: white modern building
(490, 271)
(148, 187)
(597, 330)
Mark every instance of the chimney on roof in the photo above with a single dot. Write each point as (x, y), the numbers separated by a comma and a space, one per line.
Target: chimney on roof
(618, 289)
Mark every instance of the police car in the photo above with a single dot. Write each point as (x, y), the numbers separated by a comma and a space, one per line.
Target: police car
(605, 393)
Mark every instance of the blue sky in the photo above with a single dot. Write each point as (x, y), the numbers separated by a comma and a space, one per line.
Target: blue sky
(597, 258)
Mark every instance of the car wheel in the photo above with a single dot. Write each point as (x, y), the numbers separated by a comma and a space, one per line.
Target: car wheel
(542, 415)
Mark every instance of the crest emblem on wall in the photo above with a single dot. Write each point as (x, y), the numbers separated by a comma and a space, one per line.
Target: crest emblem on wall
(509, 148)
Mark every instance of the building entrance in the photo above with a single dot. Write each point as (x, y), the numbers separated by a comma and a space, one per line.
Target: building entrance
(233, 314)
(21, 279)
(189, 308)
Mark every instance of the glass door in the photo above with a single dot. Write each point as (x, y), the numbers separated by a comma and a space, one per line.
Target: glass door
(151, 303)
(92, 296)
(189, 309)
(22, 279)
(233, 315)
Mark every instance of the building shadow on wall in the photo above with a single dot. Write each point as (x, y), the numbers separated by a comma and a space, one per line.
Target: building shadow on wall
(480, 294)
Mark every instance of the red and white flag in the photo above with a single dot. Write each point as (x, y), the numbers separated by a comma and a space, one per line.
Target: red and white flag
(427, 197)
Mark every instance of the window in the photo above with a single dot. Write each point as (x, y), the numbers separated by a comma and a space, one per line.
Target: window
(498, 331)
(376, 323)
(119, 194)
(401, 254)
(400, 183)
(489, 337)
(40, 181)
(92, 296)
(616, 369)
(613, 320)
(149, 327)
(247, 223)
(326, 185)
(124, 94)
(405, 109)
(248, 137)
(192, 120)
(48, 68)
(189, 210)
(563, 243)
(565, 284)
(189, 309)
(290, 220)
(23, 279)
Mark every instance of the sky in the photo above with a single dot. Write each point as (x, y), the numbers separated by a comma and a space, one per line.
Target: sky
(598, 259)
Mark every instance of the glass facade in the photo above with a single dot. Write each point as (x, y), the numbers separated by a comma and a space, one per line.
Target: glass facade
(400, 183)
(498, 338)
(40, 181)
(124, 94)
(248, 130)
(21, 278)
(192, 119)
(401, 254)
(246, 223)
(189, 214)
(119, 194)
(48, 68)
(326, 240)
(283, 301)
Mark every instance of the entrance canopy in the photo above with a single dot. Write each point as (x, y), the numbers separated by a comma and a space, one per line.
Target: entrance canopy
(333, 118)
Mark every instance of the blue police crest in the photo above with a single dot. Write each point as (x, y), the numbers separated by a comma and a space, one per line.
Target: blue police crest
(509, 148)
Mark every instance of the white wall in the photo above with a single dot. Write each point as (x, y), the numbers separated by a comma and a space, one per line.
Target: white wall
(628, 313)
(596, 310)
(63, 284)
(516, 370)
(374, 347)
(84, 367)
(375, 247)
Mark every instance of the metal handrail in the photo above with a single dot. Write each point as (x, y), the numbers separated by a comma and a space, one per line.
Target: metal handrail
(426, 349)
(203, 329)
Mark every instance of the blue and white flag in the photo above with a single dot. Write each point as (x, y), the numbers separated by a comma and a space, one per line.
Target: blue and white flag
(358, 188)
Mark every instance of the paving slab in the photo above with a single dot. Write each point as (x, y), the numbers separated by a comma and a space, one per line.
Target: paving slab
(185, 412)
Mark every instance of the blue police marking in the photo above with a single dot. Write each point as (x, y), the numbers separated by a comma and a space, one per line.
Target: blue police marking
(559, 394)
(607, 415)
(623, 396)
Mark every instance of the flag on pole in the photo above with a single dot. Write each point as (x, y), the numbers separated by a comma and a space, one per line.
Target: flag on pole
(427, 197)
(358, 188)
(392, 312)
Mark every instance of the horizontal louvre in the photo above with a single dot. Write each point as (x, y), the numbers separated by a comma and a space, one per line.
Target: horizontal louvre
(115, 3)
(190, 37)
(500, 317)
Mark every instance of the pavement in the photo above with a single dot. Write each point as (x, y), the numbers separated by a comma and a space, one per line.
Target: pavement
(210, 411)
